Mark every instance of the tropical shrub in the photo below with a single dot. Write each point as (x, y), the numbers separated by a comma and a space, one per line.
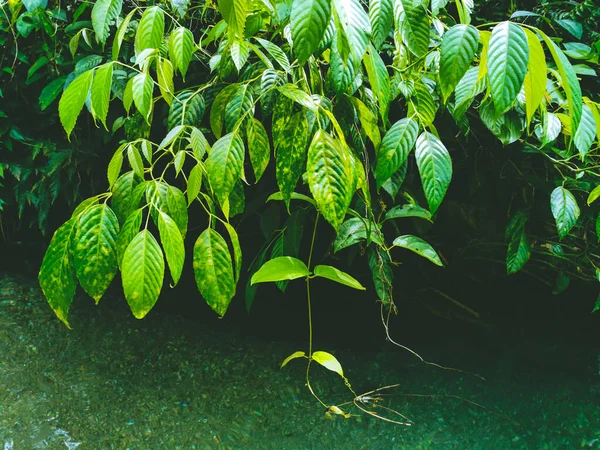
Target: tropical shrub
(347, 99)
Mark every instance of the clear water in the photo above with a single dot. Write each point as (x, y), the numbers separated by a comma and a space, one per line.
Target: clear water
(165, 383)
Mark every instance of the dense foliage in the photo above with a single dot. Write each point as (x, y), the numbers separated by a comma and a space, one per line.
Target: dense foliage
(361, 114)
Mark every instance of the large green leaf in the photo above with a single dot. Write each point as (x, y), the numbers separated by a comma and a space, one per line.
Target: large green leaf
(126, 195)
(234, 13)
(279, 269)
(355, 24)
(73, 99)
(172, 242)
(395, 148)
(57, 272)
(259, 148)
(225, 164)
(331, 273)
(213, 270)
(328, 361)
(143, 272)
(187, 108)
(309, 19)
(586, 132)
(104, 14)
(181, 49)
(95, 252)
(291, 155)
(330, 177)
(150, 30)
(239, 107)
(419, 246)
(217, 110)
(101, 91)
(426, 106)
(142, 87)
(415, 27)
(508, 55)
(569, 82)
(458, 50)
(379, 80)
(435, 168)
(129, 230)
(381, 14)
(354, 230)
(535, 79)
(564, 209)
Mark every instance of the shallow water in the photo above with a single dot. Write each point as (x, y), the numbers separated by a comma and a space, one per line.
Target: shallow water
(163, 383)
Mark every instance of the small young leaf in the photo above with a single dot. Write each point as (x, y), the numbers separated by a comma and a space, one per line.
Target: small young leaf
(172, 242)
(142, 87)
(101, 91)
(328, 361)
(280, 268)
(73, 99)
(331, 273)
(150, 30)
(419, 246)
(292, 356)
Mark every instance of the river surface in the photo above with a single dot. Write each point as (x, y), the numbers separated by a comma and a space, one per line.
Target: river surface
(114, 382)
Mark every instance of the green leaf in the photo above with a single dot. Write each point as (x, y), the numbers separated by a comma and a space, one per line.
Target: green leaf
(379, 80)
(426, 107)
(294, 196)
(143, 272)
(217, 110)
(114, 166)
(259, 148)
(309, 19)
(276, 53)
(239, 107)
(194, 183)
(292, 356)
(381, 14)
(224, 165)
(172, 242)
(101, 91)
(237, 250)
(279, 269)
(419, 246)
(586, 131)
(95, 252)
(240, 51)
(435, 168)
(508, 56)
(331, 273)
(518, 251)
(570, 84)
(415, 27)
(177, 208)
(73, 99)
(328, 361)
(213, 270)
(135, 160)
(104, 14)
(355, 23)
(298, 95)
(120, 34)
(51, 91)
(394, 183)
(408, 210)
(234, 13)
(354, 230)
(458, 50)
(535, 79)
(291, 155)
(330, 177)
(142, 87)
(368, 121)
(164, 78)
(124, 198)
(395, 148)
(383, 276)
(181, 49)
(573, 27)
(57, 272)
(187, 109)
(564, 209)
(150, 30)
(129, 230)
(593, 196)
